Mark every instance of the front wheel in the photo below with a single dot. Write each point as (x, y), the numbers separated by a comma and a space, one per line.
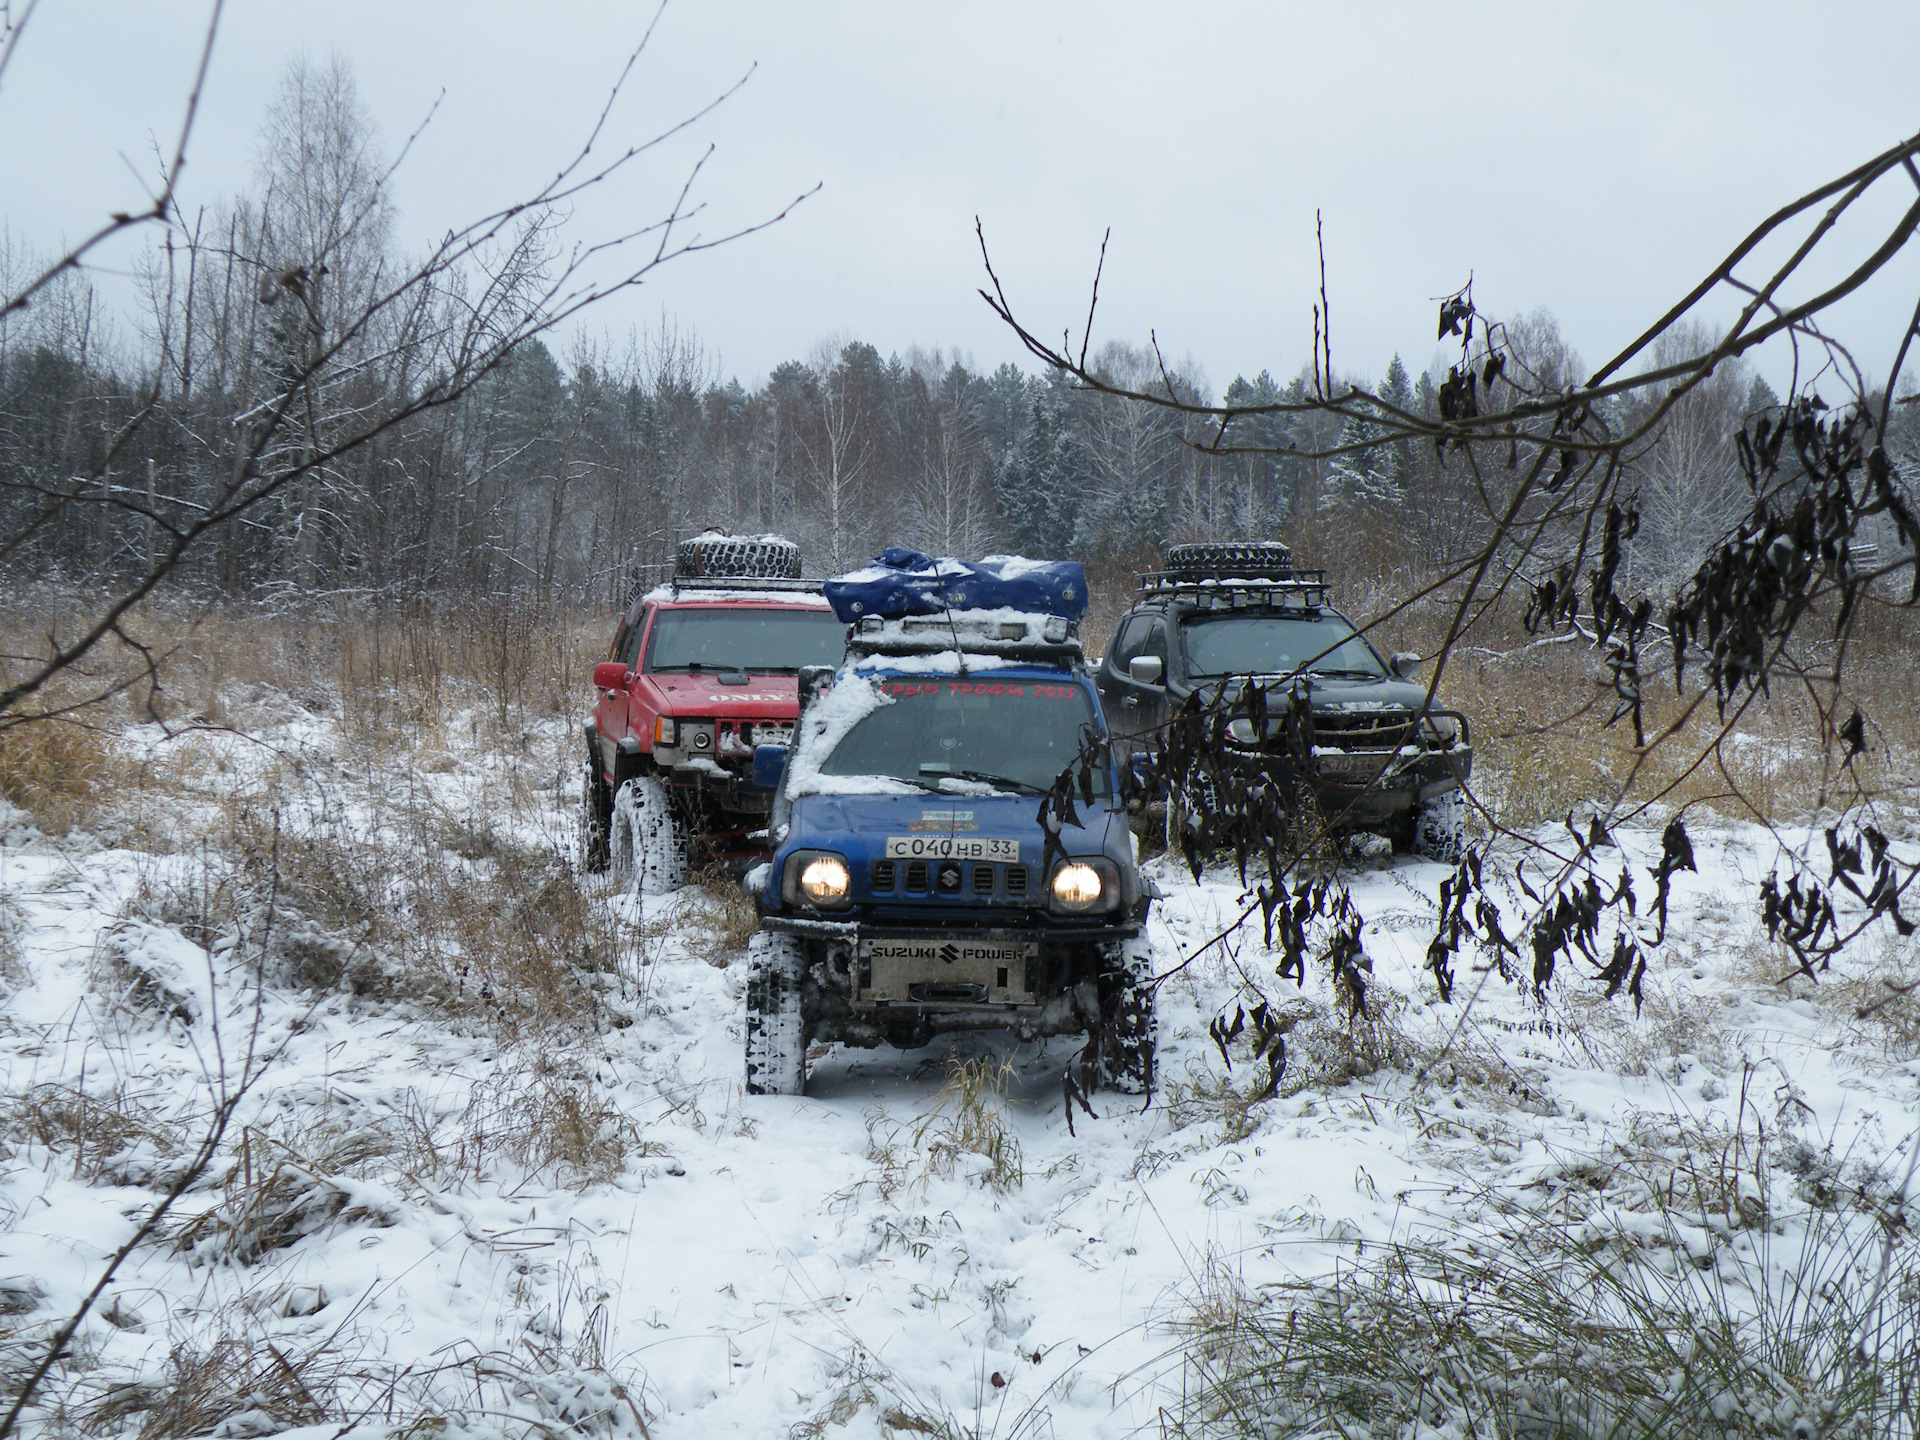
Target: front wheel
(1128, 1023)
(1440, 828)
(648, 838)
(776, 1015)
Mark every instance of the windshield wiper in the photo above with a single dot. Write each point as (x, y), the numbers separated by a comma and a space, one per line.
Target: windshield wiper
(986, 777)
(1349, 674)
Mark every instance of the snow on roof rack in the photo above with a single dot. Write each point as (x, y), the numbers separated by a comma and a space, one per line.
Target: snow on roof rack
(1006, 633)
(1302, 587)
(903, 582)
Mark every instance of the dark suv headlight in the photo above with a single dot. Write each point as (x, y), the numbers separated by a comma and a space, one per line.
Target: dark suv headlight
(1083, 885)
(817, 878)
(1441, 730)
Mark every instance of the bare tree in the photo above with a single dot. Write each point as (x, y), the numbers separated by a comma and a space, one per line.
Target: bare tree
(839, 456)
(326, 357)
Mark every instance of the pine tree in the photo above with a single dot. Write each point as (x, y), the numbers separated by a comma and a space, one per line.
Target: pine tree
(1038, 489)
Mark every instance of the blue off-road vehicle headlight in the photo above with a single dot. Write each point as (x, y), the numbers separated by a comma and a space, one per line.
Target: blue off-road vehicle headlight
(1084, 885)
(818, 878)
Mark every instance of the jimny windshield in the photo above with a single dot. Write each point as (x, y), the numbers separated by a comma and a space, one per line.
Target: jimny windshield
(763, 641)
(1016, 735)
(1277, 645)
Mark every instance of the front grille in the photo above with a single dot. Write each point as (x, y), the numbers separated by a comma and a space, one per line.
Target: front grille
(1016, 880)
(917, 875)
(883, 875)
(949, 876)
(983, 879)
(1364, 729)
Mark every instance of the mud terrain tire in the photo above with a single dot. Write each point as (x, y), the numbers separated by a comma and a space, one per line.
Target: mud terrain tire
(1440, 828)
(737, 557)
(596, 818)
(1128, 1025)
(647, 840)
(1254, 560)
(776, 1015)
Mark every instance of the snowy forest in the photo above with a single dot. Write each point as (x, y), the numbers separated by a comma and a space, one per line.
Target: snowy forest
(572, 463)
(345, 1089)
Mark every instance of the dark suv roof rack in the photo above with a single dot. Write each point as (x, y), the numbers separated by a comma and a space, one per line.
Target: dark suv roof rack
(1307, 588)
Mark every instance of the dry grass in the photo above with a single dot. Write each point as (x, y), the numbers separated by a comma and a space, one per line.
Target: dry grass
(1545, 1329)
(729, 915)
(540, 1123)
(113, 1135)
(60, 772)
(965, 1134)
(407, 907)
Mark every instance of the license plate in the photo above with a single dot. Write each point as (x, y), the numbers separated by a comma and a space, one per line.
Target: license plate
(951, 847)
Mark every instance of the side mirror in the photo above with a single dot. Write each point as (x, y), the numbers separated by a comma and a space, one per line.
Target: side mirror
(610, 675)
(1406, 665)
(769, 764)
(814, 681)
(1145, 669)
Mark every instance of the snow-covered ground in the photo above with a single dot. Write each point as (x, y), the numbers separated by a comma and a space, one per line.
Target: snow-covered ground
(388, 1224)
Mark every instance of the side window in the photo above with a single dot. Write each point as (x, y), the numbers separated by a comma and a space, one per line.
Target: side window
(1154, 643)
(1126, 644)
(636, 629)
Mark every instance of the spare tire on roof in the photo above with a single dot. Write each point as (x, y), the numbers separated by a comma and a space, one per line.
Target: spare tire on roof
(1248, 560)
(737, 557)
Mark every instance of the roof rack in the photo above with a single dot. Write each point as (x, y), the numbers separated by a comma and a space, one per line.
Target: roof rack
(1303, 588)
(1043, 639)
(739, 582)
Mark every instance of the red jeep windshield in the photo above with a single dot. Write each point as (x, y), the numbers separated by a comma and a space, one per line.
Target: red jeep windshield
(1016, 734)
(763, 641)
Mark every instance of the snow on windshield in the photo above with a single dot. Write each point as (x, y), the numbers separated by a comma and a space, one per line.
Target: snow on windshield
(1276, 645)
(1014, 734)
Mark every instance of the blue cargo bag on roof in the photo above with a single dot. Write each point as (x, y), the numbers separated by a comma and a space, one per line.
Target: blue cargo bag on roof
(905, 582)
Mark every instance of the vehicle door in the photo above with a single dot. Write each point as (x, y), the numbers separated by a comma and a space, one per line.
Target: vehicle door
(1134, 706)
(610, 711)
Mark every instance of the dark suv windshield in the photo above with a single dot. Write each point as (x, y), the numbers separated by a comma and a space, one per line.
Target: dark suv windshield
(1275, 645)
(1017, 734)
(743, 639)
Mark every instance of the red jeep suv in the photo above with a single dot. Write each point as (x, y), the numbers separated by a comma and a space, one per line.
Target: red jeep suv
(701, 670)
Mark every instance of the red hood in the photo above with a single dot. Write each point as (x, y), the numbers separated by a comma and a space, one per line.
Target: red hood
(763, 697)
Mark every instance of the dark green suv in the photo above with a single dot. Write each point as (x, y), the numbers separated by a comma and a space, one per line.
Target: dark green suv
(1355, 729)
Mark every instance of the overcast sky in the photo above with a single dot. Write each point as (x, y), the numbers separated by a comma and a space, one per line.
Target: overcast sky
(1593, 159)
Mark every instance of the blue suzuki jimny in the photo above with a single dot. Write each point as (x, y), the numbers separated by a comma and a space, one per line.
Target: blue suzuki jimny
(912, 889)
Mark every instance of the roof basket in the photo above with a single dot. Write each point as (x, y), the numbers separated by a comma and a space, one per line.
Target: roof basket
(1304, 589)
(1254, 572)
